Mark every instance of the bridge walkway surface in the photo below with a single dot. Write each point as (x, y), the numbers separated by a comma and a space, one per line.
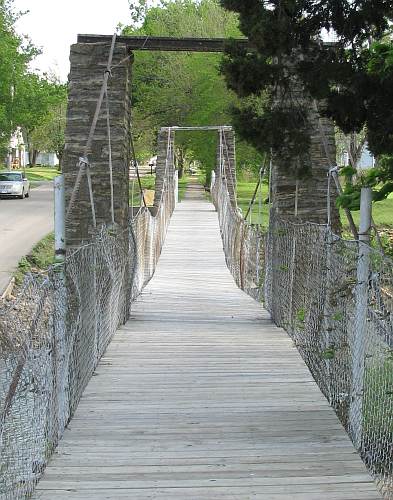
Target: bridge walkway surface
(200, 397)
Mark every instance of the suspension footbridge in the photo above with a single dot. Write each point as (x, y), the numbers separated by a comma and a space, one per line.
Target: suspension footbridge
(144, 365)
(201, 396)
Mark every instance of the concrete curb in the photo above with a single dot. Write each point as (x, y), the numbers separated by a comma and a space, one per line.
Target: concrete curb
(7, 294)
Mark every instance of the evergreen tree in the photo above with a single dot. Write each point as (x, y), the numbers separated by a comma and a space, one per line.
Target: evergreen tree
(353, 76)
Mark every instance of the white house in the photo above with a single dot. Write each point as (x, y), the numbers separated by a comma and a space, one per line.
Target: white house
(367, 160)
(48, 159)
(16, 157)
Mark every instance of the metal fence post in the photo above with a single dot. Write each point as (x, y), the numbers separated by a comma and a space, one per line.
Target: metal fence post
(59, 219)
(360, 324)
(176, 181)
(59, 311)
(212, 180)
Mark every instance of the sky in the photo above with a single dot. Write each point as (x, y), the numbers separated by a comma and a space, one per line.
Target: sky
(53, 25)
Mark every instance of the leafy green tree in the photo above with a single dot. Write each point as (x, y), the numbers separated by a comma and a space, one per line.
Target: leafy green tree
(28, 100)
(49, 134)
(181, 88)
(36, 101)
(15, 54)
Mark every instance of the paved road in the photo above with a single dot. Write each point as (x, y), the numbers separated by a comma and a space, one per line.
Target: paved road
(22, 224)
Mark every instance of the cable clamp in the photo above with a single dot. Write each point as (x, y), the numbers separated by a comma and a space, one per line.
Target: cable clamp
(333, 170)
(83, 160)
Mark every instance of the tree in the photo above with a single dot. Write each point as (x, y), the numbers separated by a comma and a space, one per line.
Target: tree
(28, 100)
(15, 54)
(37, 102)
(352, 77)
(49, 135)
(182, 88)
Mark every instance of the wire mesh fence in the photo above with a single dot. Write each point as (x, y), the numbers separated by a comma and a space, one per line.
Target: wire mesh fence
(56, 330)
(52, 337)
(244, 244)
(148, 235)
(343, 327)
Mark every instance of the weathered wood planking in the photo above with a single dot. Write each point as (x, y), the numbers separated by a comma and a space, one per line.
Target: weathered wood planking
(201, 397)
(166, 43)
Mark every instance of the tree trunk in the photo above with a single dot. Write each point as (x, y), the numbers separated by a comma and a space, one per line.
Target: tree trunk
(33, 154)
(60, 156)
(180, 162)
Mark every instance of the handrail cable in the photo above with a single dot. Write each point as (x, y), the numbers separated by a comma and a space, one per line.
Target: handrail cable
(261, 175)
(136, 166)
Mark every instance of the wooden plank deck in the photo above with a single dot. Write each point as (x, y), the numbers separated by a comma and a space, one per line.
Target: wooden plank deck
(201, 397)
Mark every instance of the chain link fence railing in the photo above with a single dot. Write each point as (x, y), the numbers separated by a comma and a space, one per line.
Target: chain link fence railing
(307, 278)
(148, 234)
(54, 333)
(51, 338)
(244, 244)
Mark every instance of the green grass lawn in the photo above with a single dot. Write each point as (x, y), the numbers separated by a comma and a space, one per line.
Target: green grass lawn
(245, 191)
(149, 182)
(38, 260)
(41, 173)
(382, 213)
(183, 183)
(377, 419)
(382, 210)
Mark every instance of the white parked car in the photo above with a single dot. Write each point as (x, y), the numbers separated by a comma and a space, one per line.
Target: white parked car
(14, 184)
